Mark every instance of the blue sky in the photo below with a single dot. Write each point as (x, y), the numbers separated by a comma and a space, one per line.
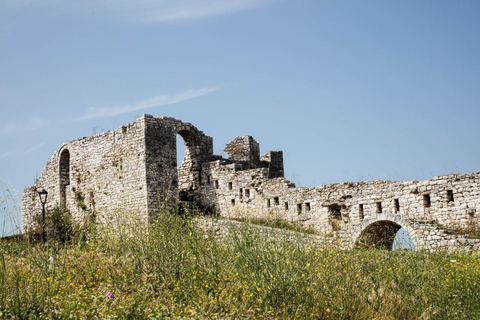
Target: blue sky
(349, 90)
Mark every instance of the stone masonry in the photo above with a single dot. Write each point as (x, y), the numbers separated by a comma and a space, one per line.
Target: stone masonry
(132, 171)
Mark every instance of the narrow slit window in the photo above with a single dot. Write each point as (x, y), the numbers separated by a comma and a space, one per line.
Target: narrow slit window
(247, 193)
(427, 201)
(450, 195)
(379, 207)
(230, 185)
(209, 182)
(396, 204)
(360, 211)
(299, 208)
(216, 184)
(240, 193)
(276, 200)
(233, 202)
(268, 203)
(286, 205)
(307, 206)
(64, 170)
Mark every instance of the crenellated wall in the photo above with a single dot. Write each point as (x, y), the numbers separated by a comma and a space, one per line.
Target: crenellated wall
(132, 170)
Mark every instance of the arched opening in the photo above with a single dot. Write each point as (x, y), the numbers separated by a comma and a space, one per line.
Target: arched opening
(385, 234)
(64, 176)
(186, 173)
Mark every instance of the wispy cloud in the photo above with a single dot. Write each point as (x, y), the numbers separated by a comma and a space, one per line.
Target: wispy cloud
(22, 153)
(34, 148)
(29, 125)
(5, 154)
(142, 10)
(35, 123)
(145, 104)
(188, 10)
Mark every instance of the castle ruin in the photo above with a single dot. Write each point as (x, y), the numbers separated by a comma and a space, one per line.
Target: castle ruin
(133, 171)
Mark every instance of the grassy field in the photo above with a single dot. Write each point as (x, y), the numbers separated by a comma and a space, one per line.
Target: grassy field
(172, 270)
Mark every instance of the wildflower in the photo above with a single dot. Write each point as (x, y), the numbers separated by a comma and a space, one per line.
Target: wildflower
(353, 284)
(129, 254)
(110, 294)
(185, 260)
(453, 261)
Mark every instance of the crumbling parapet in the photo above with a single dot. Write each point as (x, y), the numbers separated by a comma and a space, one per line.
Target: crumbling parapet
(245, 150)
(273, 161)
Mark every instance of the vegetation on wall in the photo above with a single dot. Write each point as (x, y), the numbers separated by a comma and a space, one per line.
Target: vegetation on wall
(278, 223)
(80, 200)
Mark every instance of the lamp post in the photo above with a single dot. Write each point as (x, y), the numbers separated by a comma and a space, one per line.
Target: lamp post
(43, 199)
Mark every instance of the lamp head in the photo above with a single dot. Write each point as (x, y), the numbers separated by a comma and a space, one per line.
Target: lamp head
(43, 196)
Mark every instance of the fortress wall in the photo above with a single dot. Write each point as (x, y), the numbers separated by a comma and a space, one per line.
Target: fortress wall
(161, 161)
(331, 208)
(134, 169)
(105, 173)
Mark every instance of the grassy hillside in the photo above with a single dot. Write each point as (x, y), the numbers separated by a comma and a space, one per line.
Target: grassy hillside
(173, 270)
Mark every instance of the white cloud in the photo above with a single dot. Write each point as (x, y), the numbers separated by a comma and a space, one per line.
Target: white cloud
(141, 10)
(5, 154)
(34, 148)
(22, 153)
(145, 104)
(29, 125)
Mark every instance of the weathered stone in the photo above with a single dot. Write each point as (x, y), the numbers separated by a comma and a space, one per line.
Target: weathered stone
(132, 171)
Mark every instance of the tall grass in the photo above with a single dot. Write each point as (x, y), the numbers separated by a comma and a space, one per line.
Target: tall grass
(172, 269)
(9, 210)
(276, 222)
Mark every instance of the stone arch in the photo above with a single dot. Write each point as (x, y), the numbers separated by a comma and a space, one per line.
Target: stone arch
(380, 231)
(188, 173)
(191, 138)
(63, 175)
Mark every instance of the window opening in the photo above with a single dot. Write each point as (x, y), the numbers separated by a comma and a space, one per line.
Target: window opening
(299, 208)
(396, 205)
(426, 200)
(450, 196)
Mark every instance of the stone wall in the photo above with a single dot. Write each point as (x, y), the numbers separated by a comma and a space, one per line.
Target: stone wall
(438, 209)
(103, 175)
(165, 182)
(133, 169)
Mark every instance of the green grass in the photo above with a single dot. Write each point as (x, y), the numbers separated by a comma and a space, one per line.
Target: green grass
(277, 223)
(171, 270)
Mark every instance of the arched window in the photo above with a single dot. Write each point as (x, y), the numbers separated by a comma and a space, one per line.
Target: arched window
(64, 176)
(185, 149)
